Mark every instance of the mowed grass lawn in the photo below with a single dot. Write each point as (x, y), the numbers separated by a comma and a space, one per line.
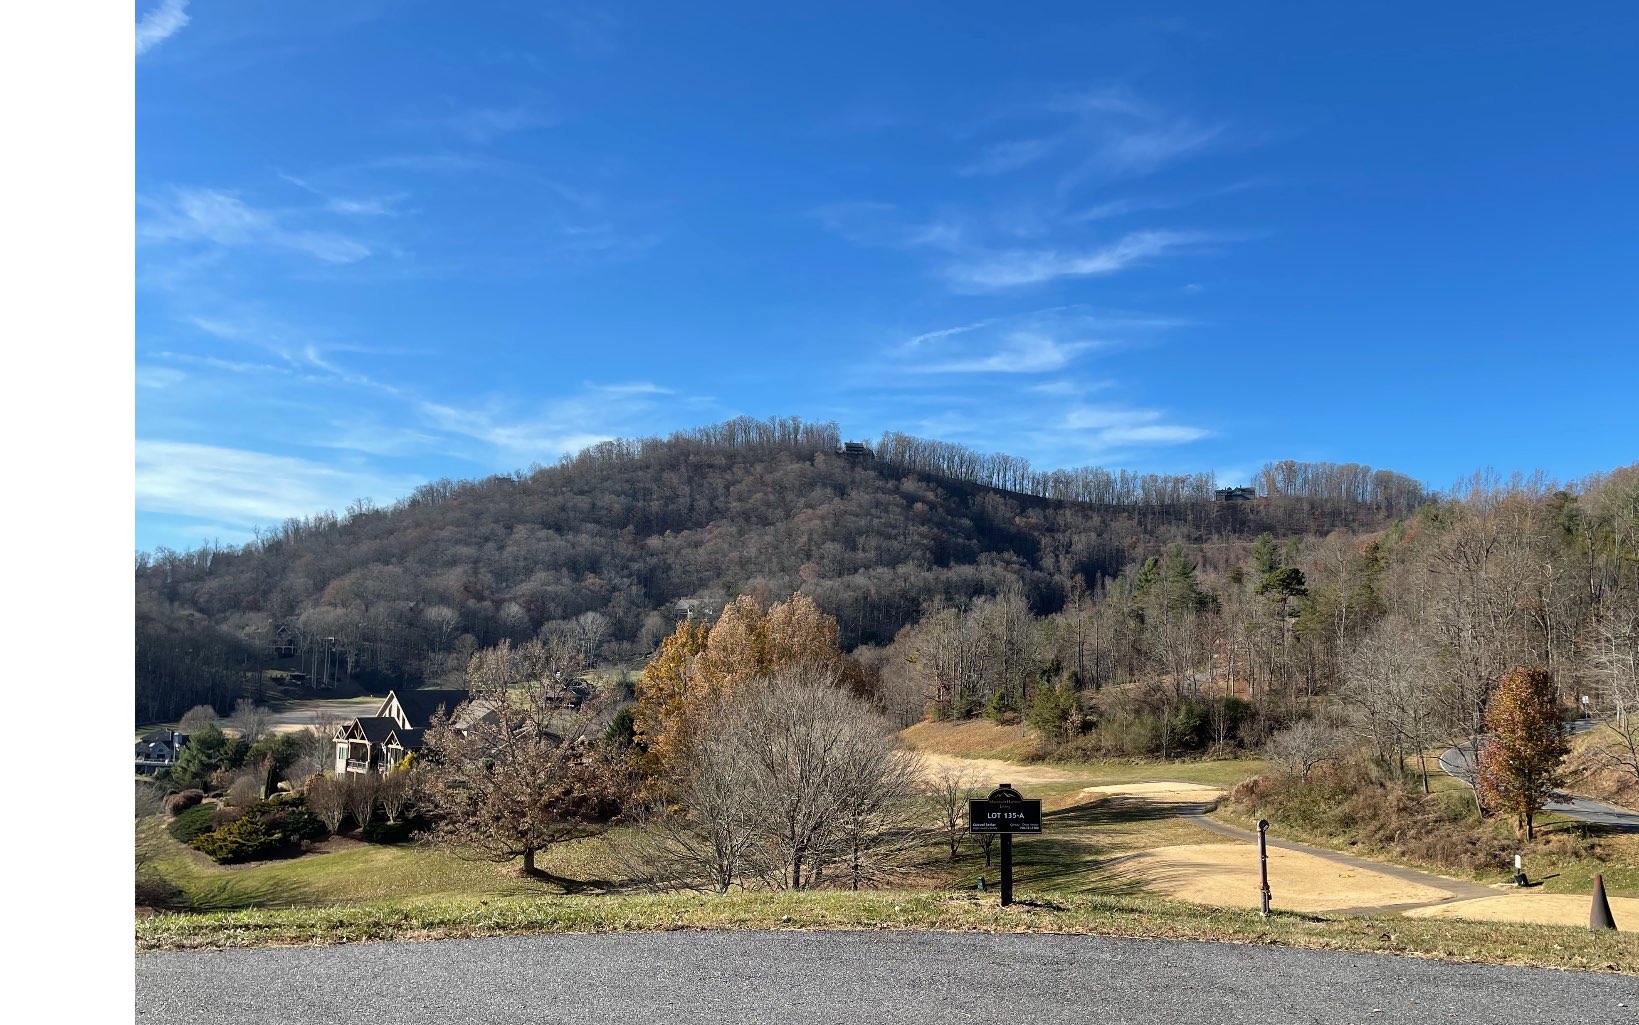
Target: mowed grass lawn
(1082, 832)
(347, 872)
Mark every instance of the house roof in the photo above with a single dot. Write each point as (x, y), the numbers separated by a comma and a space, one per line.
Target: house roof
(374, 728)
(409, 740)
(163, 737)
(419, 705)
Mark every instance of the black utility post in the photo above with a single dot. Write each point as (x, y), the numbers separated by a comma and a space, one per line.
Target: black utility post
(1006, 812)
(1263, 866)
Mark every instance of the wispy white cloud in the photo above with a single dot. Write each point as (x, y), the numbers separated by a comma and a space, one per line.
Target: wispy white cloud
(1021, 352)
(384, 205)
(947, 332)
(1012, 155)
(1015, 267)
(1103, 417)
(633, 388)
(161, 23)
(1038, 342)
(1071, 386)
(1152, 434)
(1113, 427)
(223, 219)
(553, 428)
(481, 126)
(375, 438)
(869, 223)
(245, 488)
(1101, 134)
(538, 438)
(1141, 152)
(154, 378)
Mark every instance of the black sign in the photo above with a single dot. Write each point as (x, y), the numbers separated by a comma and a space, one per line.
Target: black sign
(1008, 816)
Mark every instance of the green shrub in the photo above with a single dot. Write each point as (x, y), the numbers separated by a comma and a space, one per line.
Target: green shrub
(383, 832)
(289, 816)
(622, 731)
(244, 840)
(192, 822)
(267, 829)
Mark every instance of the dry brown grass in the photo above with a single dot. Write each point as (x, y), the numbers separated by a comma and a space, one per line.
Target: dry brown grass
(974, 738)
(1587, 776)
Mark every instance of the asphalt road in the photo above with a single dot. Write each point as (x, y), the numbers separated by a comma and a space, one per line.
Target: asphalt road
(1459, 762)
(798, 978)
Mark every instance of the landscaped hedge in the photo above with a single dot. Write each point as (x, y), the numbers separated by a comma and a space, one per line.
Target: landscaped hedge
(268, 829)
(192, 822)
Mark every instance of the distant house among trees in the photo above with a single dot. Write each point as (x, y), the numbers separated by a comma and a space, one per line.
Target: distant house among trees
(1235, 494)
(856, 450)
(284, 642)
(159, 750)
(376, 743)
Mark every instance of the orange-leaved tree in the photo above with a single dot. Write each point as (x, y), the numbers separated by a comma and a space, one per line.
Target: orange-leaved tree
(697, 663)
(1520, 762)
(670, 687)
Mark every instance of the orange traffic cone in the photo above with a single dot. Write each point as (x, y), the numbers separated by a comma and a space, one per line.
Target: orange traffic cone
(1599, 917)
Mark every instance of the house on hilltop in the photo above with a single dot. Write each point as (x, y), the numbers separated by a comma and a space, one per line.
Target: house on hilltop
(159, 750)
(1235, 494)
(376, 743)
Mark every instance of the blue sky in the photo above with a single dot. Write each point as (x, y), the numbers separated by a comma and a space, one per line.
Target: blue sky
(385, 241)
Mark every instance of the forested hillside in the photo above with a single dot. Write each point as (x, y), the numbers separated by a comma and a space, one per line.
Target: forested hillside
(612, 545)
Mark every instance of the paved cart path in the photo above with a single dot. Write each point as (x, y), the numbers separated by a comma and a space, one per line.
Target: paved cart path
(906, 978)
(1459, 762)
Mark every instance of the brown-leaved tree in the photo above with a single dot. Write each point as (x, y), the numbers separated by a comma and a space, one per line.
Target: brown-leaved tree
(1520, 762)
(511, 772)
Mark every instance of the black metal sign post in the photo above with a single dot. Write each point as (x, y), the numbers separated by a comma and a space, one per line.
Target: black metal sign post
(1263, 867)
(1005, 812)
(1007, 869)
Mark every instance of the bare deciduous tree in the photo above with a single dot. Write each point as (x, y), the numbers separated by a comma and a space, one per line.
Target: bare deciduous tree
(1612, 665)
(707, 830)
(197, 716)
(250, 719)
(246, 790)
(360, 790)
(949, 787)
(394, 793)
(1305, 744)
(327, 798)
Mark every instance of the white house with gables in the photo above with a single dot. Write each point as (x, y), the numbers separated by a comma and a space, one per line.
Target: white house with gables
(376, 743)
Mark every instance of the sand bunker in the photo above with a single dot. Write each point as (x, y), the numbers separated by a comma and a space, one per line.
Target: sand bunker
(1227, 875)
(989, 772)
(1161, 793)
(1538, 908)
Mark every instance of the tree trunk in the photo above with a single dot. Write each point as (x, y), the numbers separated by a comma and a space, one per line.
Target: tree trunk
(529, 862)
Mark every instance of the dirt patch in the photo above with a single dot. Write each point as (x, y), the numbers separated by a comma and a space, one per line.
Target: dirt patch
(1537, 908)
(991, 772)
(1190, 794)
(1227, 875)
